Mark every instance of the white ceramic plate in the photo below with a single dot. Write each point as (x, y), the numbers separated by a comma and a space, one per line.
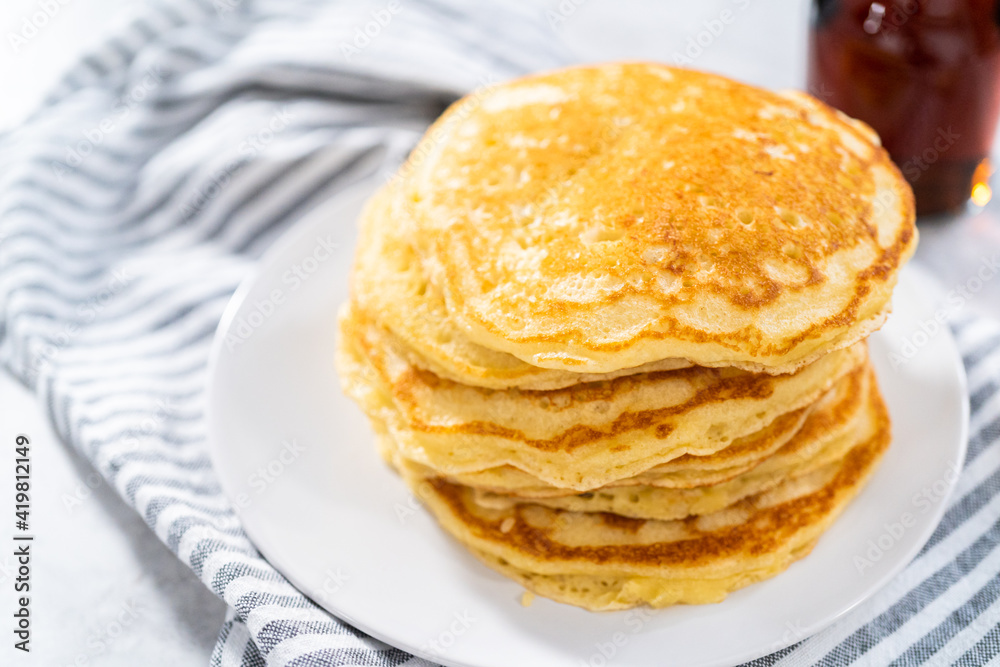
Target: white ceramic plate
(297, 457)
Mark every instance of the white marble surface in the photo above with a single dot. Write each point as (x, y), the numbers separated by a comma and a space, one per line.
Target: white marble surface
(108, 592)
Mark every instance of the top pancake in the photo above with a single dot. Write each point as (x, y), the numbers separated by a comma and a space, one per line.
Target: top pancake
(388, 283)
(599, 218)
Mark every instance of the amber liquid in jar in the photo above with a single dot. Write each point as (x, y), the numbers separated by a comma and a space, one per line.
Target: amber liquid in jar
(926, 75)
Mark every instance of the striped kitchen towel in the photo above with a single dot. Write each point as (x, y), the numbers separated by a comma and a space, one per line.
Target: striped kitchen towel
(145, 189)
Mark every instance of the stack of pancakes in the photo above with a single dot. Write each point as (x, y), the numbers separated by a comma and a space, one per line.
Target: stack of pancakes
(609, 324)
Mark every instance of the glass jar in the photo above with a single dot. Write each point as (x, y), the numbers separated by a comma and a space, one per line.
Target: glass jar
(925, 74)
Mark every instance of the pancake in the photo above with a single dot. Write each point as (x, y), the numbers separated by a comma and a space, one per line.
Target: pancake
(828, 418)
(808, 451)
(388, 280)
(580, 437)
(603, 561)
(698, 471)
(603, 217)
